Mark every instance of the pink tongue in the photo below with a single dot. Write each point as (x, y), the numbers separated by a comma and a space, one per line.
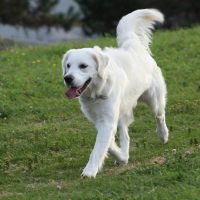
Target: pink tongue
(72, 93)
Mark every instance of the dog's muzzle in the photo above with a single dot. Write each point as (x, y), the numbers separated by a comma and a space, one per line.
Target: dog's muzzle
(69, 79)
(75, 92)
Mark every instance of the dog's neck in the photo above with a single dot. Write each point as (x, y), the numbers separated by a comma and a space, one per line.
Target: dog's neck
(99, 89)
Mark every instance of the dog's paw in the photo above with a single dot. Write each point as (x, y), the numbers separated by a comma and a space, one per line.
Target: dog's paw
(163, 134)
(164, 140)
(121, 162)
(89, 172)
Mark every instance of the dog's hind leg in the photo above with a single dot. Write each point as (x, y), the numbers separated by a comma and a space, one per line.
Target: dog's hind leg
(155, 97)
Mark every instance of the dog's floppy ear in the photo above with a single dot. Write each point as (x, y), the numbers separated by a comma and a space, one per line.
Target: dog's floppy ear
(64, 59)
(66, 55)
(101, 59)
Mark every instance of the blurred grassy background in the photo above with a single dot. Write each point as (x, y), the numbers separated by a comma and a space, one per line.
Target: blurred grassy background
(46, 140)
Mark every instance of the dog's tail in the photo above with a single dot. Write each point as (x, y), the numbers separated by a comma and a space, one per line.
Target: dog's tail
(137, 27)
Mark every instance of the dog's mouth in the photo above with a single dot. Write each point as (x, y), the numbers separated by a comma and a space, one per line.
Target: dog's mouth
(75, 92)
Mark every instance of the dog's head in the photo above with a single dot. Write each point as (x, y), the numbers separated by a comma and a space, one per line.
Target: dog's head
(81, 67)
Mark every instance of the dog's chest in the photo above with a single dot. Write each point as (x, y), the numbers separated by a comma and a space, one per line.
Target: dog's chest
(93, 109)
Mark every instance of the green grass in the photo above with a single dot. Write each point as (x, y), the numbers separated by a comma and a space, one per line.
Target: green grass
(45, 140)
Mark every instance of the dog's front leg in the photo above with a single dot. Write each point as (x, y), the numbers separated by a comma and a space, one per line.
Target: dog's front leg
(103, 140)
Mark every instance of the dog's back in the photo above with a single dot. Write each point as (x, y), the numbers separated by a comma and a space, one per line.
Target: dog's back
(133, 54)
(135, 28)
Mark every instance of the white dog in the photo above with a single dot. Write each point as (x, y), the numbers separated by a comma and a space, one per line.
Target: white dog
(110, 82)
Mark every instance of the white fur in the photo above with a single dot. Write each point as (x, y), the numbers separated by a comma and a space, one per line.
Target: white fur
(120, 77)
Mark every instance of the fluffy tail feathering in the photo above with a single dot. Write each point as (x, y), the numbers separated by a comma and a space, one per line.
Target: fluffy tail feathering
(137, 27)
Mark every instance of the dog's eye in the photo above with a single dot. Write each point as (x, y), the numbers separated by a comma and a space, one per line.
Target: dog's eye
(68, 65)
(82, 66)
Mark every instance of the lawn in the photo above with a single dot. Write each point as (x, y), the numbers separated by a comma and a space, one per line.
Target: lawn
(45, 140)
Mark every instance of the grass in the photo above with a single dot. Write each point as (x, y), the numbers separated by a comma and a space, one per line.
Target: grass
(45, 140)
(7, 43)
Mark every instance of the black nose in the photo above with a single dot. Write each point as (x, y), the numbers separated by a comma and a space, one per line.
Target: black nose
(69, 79)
